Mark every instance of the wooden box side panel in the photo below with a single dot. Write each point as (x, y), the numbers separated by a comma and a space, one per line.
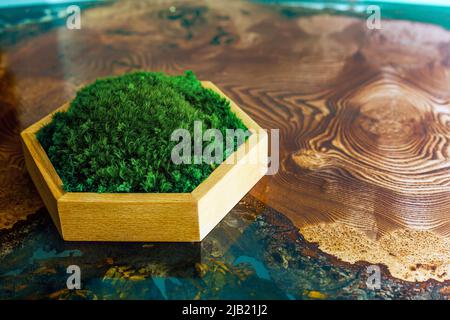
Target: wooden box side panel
(229, 183)
(129, 220)
(42, 173)
(146, 217)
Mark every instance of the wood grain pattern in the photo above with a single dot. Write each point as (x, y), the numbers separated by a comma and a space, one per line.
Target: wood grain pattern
(363, 114)
(161, 217)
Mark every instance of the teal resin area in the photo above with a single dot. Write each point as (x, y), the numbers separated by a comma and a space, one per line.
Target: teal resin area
(249, 255)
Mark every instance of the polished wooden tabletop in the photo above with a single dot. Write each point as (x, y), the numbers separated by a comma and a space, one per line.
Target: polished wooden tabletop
(364, 115)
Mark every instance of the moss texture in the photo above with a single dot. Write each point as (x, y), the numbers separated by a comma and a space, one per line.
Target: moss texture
(115, 137)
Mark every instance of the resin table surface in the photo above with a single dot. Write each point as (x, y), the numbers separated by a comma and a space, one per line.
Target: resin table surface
(364, 159)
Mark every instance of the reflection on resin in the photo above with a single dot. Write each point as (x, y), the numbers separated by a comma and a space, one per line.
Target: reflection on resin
(350, 171)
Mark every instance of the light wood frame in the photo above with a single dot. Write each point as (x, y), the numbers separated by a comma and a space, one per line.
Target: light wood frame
(159, 217)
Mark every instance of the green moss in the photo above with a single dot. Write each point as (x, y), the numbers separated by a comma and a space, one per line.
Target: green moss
(116, 135)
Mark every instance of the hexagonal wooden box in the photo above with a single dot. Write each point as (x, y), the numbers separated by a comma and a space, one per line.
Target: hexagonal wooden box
(161, 217)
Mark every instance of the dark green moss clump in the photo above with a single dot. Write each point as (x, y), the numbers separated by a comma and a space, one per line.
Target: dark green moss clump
(116, 135)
